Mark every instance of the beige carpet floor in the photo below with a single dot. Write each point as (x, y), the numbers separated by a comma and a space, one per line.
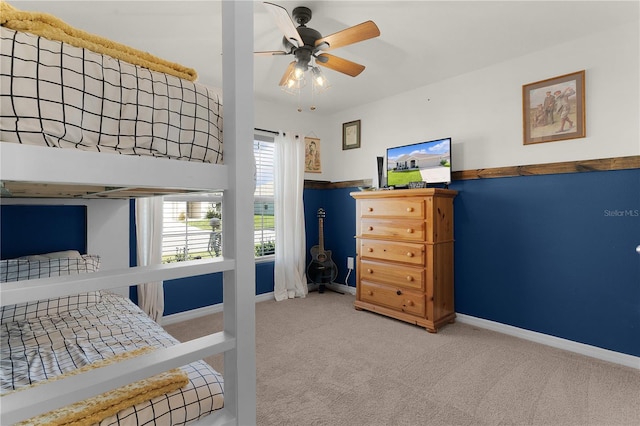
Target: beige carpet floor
(321, 362)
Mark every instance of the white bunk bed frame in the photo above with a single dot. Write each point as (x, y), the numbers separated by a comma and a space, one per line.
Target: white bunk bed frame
(237, 340)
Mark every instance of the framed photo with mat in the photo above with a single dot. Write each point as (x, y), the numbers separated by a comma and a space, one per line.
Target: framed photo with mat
(554, 109)
(351, 135)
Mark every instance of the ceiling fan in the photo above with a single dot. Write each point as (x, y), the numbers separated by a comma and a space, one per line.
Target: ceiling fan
(306, 43)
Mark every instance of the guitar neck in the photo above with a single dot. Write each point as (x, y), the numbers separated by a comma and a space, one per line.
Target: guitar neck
(321, 235)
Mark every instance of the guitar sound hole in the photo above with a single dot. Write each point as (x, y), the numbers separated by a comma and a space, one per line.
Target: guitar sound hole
(322, 258)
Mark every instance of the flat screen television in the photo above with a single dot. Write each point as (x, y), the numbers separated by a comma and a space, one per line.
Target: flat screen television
(428, 162)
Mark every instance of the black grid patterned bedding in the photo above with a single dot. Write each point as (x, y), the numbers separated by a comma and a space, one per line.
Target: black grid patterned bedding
(39, 348)
(58, 95)
(26, 269)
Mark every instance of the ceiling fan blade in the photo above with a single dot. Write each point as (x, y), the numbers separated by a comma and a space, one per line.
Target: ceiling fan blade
(271, 53)
(348, 36)
(339, 64)
(284, 22)
(287, 73)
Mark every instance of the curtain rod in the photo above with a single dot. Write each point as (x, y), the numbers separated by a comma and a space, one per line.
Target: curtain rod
(265, 130)
(271, 131)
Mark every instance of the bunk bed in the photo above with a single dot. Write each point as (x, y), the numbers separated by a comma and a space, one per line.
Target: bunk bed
(41, 165)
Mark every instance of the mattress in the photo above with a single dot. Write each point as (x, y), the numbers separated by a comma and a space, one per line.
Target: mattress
(37, 349)
(58, 95)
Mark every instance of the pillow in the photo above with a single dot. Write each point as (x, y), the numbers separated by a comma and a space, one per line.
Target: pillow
(25, 269)
(72, 254)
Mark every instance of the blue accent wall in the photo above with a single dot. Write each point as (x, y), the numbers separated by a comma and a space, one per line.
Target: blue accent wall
(179, 294)
(197, 292)
(553, 254)
(33, 229)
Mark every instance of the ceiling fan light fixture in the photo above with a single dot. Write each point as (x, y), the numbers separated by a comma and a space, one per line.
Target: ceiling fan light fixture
(298, 72)
(320, 82)
(294, 85)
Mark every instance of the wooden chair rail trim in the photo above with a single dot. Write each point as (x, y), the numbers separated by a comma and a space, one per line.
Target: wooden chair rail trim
(603, 164)
(325, 184)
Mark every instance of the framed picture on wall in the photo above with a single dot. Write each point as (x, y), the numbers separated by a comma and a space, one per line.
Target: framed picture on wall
(312, 155)
(554, 109)
(351, 135)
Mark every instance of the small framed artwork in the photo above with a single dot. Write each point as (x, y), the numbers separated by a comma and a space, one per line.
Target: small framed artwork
(312, 155)
(554, 109)
(351, 135)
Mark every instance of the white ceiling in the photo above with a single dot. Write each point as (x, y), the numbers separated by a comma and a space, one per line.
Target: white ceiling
(421, 42)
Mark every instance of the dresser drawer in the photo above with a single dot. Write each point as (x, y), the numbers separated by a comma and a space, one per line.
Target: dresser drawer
(410, 230)
(410, 253)
(408, 208)
(392, 274)
(392, 297)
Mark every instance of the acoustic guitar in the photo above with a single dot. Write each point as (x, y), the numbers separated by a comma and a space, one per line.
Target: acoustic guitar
(321, 269)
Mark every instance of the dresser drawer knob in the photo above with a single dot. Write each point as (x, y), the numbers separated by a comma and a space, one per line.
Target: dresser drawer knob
(369, 249)
(369, 270)
(370, 293)
(409, 278)
(370, 209)
(410, 231)
(409, 209)
(410, 254)
(399, 292)
(410, 303)
(370, 228)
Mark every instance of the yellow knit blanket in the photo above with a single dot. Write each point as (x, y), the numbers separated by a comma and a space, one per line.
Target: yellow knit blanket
(93, 410)
(52, 28)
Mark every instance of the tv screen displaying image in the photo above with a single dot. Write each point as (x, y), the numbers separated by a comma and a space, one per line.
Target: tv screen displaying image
(424, 161)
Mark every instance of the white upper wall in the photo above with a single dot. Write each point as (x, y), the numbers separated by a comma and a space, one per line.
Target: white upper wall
(482, 112)
(285, 117)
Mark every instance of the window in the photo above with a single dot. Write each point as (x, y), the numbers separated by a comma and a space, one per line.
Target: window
(192, 224)
(264, 203)
(191, 227)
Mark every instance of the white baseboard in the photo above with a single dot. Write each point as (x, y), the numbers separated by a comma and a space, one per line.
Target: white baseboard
(207, 310)
(342, 288)
(556, 342)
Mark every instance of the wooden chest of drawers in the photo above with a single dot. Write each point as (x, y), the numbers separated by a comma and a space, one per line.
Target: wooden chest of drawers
(405, 255)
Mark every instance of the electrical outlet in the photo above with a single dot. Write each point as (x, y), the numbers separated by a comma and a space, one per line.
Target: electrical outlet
(349, 262)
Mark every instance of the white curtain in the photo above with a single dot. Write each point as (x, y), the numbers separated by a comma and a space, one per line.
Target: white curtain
(149, 245)
(289, 272)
